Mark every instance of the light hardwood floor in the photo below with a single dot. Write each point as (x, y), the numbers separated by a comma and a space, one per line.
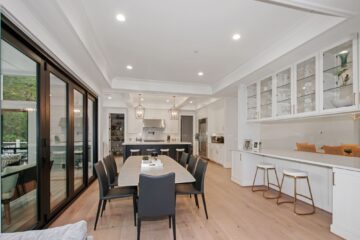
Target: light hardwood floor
(234, 213)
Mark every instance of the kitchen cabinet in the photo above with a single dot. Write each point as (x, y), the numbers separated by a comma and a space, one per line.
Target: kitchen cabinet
(306, 87)
(346, 198)
(266, 98)
(324, 83)
(284, 92)
(339, 85)
(252, 102)
(217, 152)
(244, 167)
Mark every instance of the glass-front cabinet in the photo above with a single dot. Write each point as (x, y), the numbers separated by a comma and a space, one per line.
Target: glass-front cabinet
(283, 93)
(338, 69)
(326, 83)
(251, 94)
(266, 91)
(306, 86)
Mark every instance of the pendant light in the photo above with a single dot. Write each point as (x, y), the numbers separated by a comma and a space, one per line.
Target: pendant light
(174, 113)
(139, 110)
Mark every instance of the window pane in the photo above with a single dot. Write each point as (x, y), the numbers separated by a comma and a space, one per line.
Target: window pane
(58, 141)
(18, 140)
(78, 138)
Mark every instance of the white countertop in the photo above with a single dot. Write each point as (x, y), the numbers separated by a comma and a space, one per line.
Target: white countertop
(320, 159)
(157, 143)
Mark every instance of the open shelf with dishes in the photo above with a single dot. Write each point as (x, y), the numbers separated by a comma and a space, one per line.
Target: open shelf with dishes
(251, 92)
(266, 92)
(306, 86)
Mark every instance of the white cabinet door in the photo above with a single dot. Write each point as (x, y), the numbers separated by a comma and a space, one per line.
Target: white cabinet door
(283, 103)
(236, 168)
(339, 85)
(346, 199)
(305, 87)
(252, 102)
(266, 98)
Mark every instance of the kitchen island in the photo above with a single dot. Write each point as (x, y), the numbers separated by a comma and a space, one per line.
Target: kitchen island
(142, 146)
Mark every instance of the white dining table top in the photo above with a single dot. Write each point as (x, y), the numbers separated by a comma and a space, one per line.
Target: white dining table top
(131, 170)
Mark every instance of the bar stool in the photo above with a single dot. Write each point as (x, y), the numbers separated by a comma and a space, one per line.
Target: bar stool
(266, 167)
(134, 152)
(297, 174)
(149, 151)
(179, 151)
(164, 151)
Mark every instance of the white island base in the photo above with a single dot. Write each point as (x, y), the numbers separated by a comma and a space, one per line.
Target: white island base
(334, 183)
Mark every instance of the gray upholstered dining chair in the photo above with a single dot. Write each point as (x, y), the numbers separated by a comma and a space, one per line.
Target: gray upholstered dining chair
(113, 164)
(184, 159)
(111, 175)
(156, 199)
(106, 193)
(8, 185)
(198, 186)
(192, 164)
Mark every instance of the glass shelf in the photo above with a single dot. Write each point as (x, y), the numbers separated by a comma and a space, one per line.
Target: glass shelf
(252, 101)
(284, 100)
(306, 78)
(334, 70)
(338, 88)
(305, 95)
(252, 96)
(266, 97)
(283, 92)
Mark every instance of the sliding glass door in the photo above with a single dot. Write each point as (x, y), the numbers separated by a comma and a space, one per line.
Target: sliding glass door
(19, 137)
(58, 140)
(47, 134)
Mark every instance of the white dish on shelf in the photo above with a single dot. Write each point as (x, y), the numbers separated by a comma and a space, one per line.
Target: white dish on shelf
(348, 101)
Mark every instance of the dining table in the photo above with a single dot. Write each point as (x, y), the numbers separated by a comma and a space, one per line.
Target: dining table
(135, 165)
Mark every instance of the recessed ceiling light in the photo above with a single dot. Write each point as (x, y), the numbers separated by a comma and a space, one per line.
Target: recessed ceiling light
(191, 102)
(344, 52)
(129, 67)
(142, 99)
(120, 18)
(167, 100)
(236, 36)
(200, 74)
(109, 97)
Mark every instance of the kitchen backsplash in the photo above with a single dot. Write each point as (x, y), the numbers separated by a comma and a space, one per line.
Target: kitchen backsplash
(331, 130)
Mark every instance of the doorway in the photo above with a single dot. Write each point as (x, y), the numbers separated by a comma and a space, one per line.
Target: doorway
(186, 129)
(203, 137)
(116, 133)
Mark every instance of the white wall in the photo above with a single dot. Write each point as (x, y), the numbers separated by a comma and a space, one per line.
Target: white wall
(222, 120)
(334, 130)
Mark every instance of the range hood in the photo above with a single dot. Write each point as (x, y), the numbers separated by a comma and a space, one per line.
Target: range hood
(154, 123)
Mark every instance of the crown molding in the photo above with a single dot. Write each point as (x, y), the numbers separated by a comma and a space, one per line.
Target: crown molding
(149, 85)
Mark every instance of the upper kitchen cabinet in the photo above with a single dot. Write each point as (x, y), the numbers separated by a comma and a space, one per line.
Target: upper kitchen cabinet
(305, 87)
(339, 86)
(266, 101)
(252, 102)
(283, 93)
(134, 125)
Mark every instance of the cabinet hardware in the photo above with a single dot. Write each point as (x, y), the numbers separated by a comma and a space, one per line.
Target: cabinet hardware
(333, 179)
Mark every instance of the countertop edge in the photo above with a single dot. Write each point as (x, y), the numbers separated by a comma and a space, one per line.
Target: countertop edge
(296, 159)
(156, 143)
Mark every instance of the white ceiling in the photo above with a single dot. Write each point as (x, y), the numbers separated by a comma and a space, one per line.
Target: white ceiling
(159, 38)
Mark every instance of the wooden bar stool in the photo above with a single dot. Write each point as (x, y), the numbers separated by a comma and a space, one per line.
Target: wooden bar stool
(179, 151)
(266, 187)
(297, 174)
(164, 151)
(134, 152)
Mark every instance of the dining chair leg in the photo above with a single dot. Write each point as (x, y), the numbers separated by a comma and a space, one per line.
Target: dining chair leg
(138, 228)
(97, 214)
(135, 209)
(196, 200)
(174, 226)
(169, 221)
(103, 208)
(204, 202)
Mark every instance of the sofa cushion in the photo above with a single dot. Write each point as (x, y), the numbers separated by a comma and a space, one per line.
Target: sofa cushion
(76, 231)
